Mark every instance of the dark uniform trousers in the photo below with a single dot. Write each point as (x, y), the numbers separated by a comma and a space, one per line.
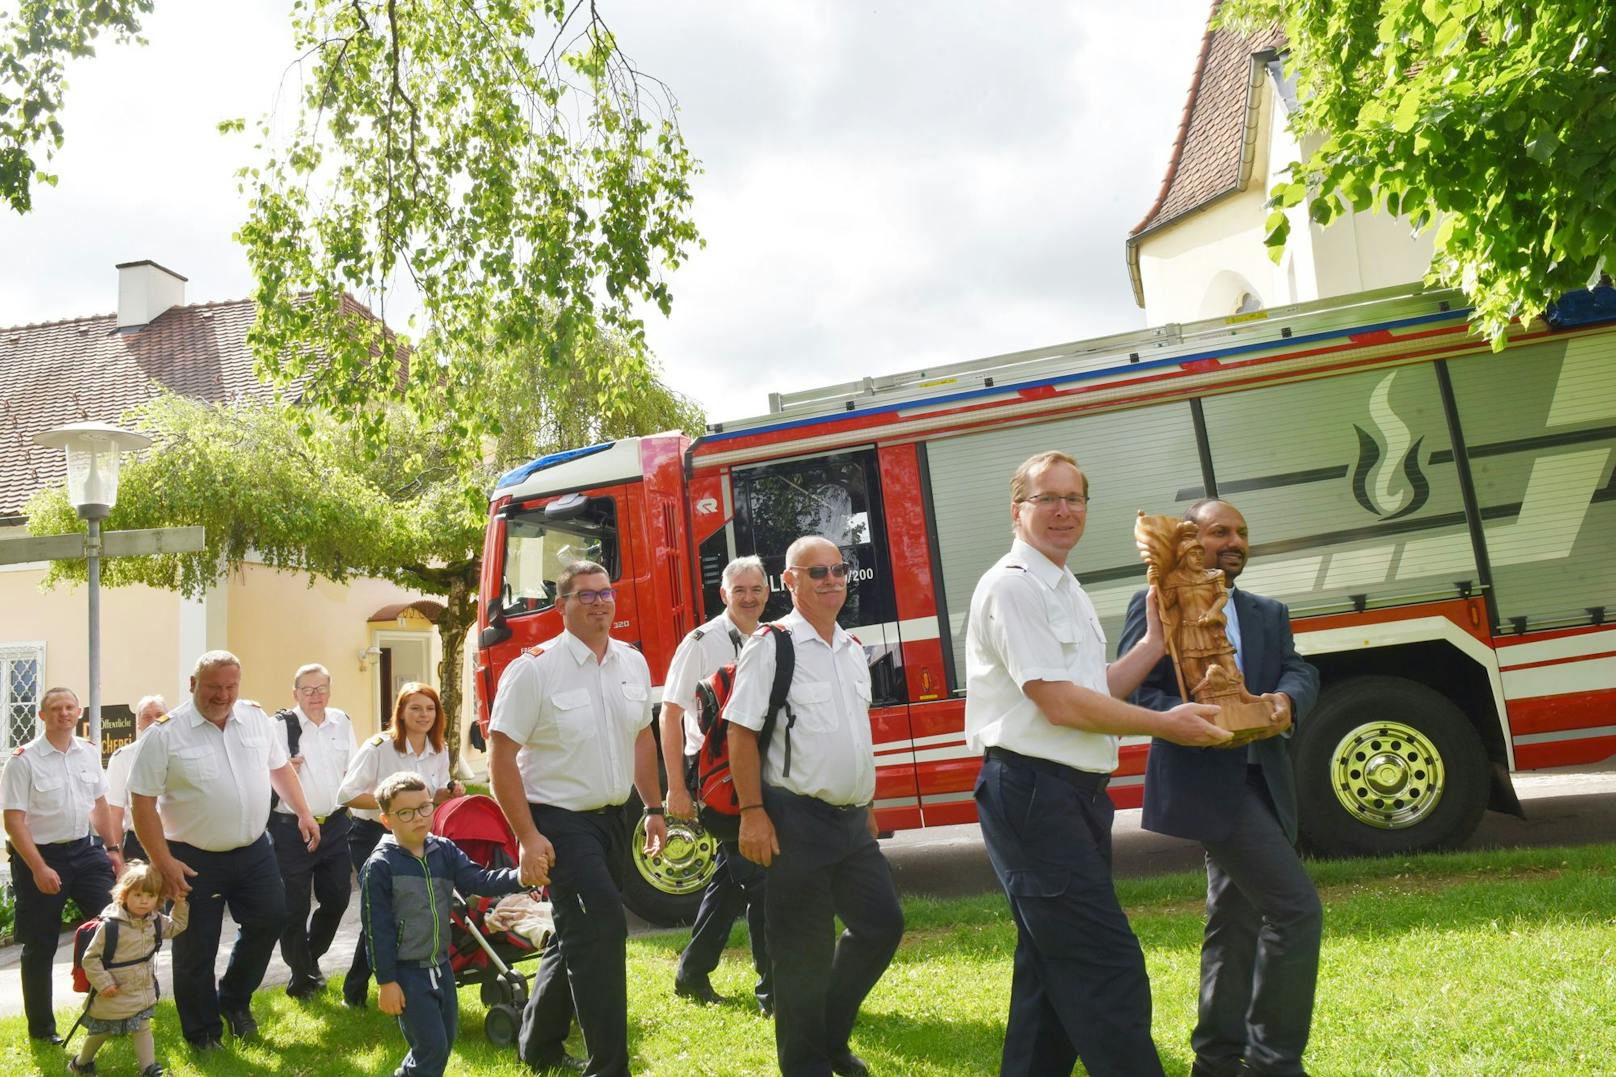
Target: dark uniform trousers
(363, 837)
(328, 869)
(584, 965)
(1260, 954)
(1079, 988)
(829, 865)
(737, 886)
(249, 882)
(86, 876)
(132, 849)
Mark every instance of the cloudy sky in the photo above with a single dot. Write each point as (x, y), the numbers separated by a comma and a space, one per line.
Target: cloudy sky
(886, 185)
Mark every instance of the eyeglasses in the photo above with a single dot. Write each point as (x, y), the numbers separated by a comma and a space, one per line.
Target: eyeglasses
(1074, 502)
(818, 572)
(406, 815)
(315, 690)
(589, 598)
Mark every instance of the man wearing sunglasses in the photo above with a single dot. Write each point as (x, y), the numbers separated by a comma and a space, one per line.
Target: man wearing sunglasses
(737, 883)
(570, 735)
(807, 815)
(1047, 712)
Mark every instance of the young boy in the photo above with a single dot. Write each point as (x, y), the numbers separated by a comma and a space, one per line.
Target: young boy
(406, 885)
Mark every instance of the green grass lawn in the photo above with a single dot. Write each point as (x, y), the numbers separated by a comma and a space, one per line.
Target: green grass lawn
(1473, 963)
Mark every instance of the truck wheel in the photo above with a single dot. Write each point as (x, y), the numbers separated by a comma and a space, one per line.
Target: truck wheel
(665, 890)
(1386, 765)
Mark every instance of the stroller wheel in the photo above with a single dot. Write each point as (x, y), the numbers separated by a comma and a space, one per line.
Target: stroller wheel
(501, 1024)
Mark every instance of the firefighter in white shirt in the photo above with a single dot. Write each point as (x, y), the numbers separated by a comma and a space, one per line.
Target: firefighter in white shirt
(1046, 711)
(325, 742)
(808, 816)
(199, 791)
(570, 736)
(412, 742)
(52, 790)
(147, 711)
(737, 883)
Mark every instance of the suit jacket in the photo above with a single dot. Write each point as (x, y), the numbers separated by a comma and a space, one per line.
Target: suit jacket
(1191, 792)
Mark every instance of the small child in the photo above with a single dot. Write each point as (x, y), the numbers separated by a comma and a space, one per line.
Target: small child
(125, 982)
(406, 887)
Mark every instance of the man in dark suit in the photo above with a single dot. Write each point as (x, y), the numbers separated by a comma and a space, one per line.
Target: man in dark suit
(1260, 955)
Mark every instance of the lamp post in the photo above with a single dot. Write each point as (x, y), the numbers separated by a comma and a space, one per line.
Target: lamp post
(92, 451)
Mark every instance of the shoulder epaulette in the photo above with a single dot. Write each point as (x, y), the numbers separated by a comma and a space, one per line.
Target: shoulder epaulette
(164, 718)
(697, 633)
(250, 703)
(377, 739)
(1018, 568)
(534, 651)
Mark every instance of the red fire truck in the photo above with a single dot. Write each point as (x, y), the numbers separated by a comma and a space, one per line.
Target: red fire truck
(1437, 516)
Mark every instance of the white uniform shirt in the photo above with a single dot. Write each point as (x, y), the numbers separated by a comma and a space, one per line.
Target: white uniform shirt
(576, 719)
(212, 785)
(695, 661)
(832, 755)
(326, 749)
(1031, 621)
(377, 759)
(56, 789)
(118, 779)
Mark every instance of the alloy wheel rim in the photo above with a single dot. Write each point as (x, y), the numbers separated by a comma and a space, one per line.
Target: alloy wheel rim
(1388, 775)
(686, 861)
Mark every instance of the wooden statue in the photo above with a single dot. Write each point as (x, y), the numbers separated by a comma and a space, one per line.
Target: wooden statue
(1191, 599)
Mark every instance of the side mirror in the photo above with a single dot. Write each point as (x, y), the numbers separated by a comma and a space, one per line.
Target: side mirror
(567, 507)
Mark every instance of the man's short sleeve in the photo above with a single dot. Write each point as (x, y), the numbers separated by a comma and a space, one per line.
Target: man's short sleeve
(683, 673)
(1018, 630)
(14, 784)
(118, 777)
(642, 673)
(279, 756)
(148, 775)
(517, 700)
(361, 776)
(754, 676)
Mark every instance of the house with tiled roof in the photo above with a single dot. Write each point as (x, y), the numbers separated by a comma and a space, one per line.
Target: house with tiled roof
(1198, 252)
(371, 634)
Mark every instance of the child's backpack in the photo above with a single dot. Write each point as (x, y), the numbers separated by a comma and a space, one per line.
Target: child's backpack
(720, 807)
(81, 943)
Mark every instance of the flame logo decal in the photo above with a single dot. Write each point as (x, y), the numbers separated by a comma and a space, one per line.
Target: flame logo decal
(1379, 463)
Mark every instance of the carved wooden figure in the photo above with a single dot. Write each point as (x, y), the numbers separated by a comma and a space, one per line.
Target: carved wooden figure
(1191, 599)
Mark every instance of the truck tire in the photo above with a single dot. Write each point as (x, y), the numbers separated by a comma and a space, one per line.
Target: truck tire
(1386, 765)
(666, 890)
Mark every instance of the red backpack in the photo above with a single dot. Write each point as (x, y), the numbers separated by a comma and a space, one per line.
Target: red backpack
(720, 807)
(81, 942)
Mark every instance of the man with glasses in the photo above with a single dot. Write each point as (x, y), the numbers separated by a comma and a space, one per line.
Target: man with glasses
(737, 883)
(808, 816)
(324, 743)
(570, 736)
(1046, 711)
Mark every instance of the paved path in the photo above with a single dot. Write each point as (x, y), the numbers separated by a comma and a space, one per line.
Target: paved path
(1572, 805)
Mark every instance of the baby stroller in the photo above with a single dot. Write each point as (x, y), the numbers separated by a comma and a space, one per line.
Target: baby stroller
(478, 953)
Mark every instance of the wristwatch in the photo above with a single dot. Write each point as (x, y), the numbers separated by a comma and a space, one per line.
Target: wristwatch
(114, 848)
(659, 810)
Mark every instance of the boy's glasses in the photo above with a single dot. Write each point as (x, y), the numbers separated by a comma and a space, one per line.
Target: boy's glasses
(407, 815)
(589, 598)
(819, 572)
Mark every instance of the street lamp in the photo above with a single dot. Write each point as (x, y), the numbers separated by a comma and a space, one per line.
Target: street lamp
(92, 451)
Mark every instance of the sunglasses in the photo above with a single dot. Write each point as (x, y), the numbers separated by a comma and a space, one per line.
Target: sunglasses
(819, 572)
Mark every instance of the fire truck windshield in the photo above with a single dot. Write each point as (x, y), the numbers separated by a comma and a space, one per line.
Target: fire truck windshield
(537, 549)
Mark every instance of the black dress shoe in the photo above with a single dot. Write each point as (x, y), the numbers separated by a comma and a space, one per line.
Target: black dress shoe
(49, 1037)
(698, 991)
(243, 1026)
(558, 1061)
(205, 1044)
(353, 1002)
(848, 1064)
(303, 989)
(766, 1005)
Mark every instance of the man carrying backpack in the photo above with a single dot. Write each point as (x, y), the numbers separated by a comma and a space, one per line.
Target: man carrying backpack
(320, 741)
(737, 883)
(807, 806)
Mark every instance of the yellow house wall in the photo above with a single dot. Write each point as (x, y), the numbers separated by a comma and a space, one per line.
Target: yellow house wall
(139, 635)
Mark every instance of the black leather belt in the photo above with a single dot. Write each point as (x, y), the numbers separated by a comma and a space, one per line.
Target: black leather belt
(1087, 780)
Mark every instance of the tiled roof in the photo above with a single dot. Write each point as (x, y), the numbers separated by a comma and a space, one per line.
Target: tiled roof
(1207, 155)
(84, 369)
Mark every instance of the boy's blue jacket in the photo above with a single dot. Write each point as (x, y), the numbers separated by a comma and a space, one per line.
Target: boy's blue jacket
(405, 908)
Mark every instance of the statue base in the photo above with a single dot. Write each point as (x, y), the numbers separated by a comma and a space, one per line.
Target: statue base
(1246, 719)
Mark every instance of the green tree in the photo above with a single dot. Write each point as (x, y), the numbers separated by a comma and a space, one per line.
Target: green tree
(36, 42)
(501, 163)
(1490, 120)
(294, 487)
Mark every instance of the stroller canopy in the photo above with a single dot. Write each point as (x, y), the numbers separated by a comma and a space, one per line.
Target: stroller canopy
(476, 824)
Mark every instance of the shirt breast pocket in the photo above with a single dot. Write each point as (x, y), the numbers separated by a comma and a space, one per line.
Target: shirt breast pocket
(811, 702)
(88, 779)
(571, 715)
(49, 794)
(196, 765)
(632, 708)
